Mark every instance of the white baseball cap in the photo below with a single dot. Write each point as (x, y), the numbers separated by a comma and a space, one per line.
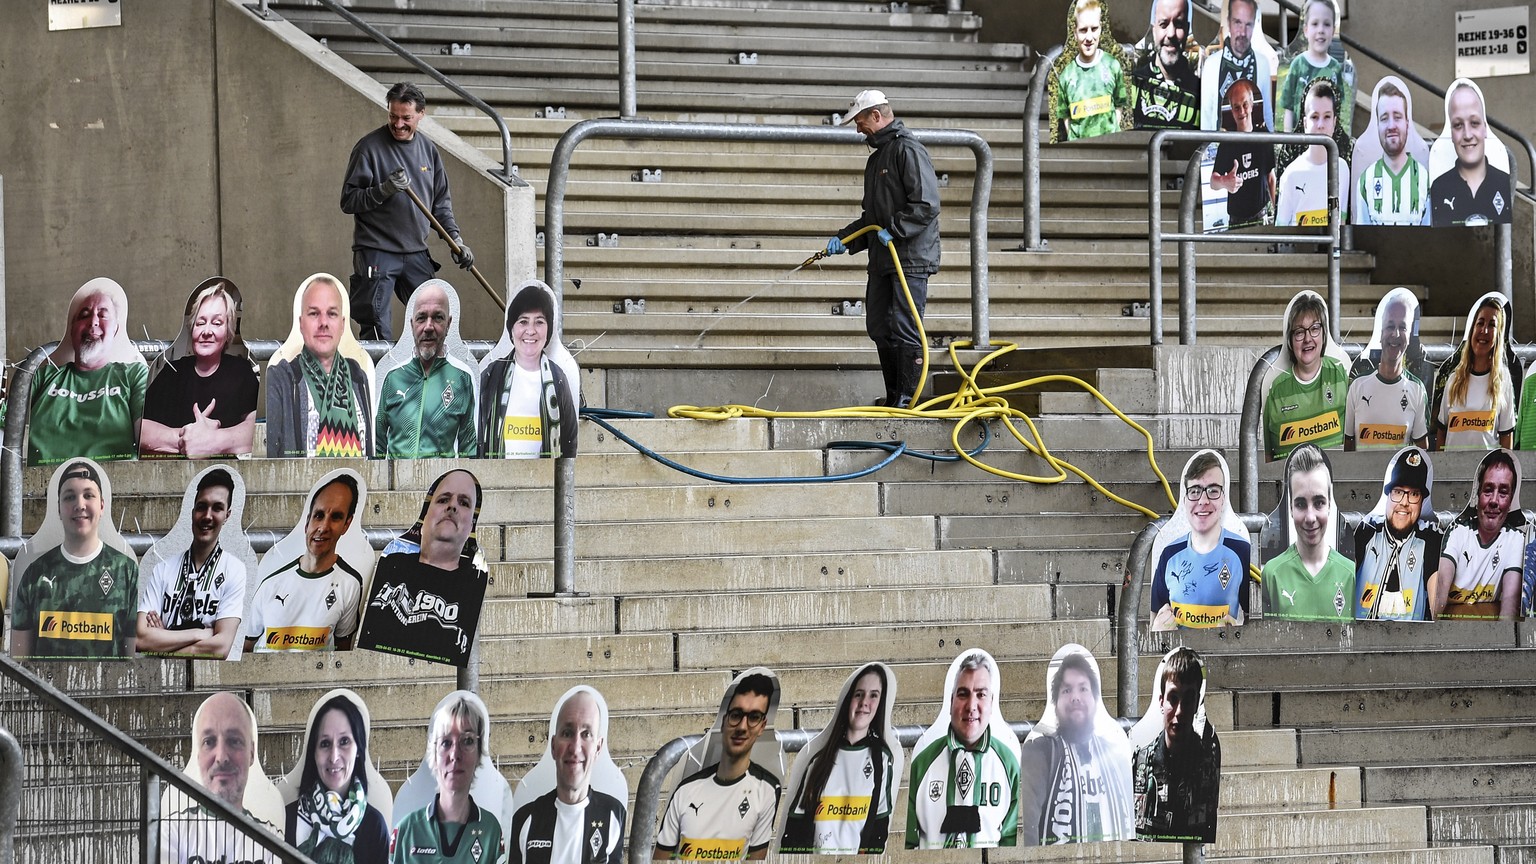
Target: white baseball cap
(864, 101)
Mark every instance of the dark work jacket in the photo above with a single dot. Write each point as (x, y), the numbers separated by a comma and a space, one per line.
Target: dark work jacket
(901, 194)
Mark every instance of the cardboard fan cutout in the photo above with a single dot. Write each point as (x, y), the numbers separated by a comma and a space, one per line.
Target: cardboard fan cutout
(202, 389)
(1388, 402)
(964, 775)
(576, 783)
(1305, 390)
(1088, 88)
(1478, 387)
(193, 581)
(309, 584)
(1481, 566)
(226, 761)
(844, 782)
(336, 805)
(1076, 763)
(1316, 52)
(1390, 168)
(488, 790)
(1397, 545)
(320, 380)
(530, 386)
(1200, 557)
(1307, 578)
(77, 582)
(1468, 164)
(731, 817)
(426, 603)
(88, 396)
(426, 389)
(1165, 80)
(1176, 773)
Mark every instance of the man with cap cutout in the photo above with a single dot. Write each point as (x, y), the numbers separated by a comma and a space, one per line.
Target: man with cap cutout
(1396, 550)
(901, 195)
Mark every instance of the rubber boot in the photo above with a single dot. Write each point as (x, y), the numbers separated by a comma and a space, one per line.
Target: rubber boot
(909, 374)
(889, 361)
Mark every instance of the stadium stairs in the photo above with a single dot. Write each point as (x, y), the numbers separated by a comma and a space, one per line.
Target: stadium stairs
(686, 581)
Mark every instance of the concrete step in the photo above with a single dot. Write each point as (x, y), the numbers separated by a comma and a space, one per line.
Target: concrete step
(1472, 782)
(1339, 710)
(1512, 823)
(1465, 745)
(729, 573)
(856, 607)
(1379, 668)
(1031, 532)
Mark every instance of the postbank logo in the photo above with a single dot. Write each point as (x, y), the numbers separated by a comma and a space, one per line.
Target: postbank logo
(1471, 421)
(842, 808)
(1310, 429)
(90, 626)
(712, 849)
(522, 429)
(1381, 435)
(1312, 218)
(296, 638)
(1199, 616)
(1091, 107)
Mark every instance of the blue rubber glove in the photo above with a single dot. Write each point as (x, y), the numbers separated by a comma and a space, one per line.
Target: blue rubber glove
(835, 247)
(884, 237)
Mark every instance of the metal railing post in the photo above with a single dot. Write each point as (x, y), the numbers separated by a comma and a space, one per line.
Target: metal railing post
(1187, 253)
(149, 815)
(1194, 853)
(1032, 239)
(1156, 236)
(664, 130)
(627, 99)
(565, 525)
(1127, 652)
(1155, 239)
(12, 767)
(19, 403)
(642, 824)
(1250, 438)
(468, 678)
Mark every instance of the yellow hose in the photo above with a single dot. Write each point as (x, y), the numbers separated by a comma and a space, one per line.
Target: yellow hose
(970, 403)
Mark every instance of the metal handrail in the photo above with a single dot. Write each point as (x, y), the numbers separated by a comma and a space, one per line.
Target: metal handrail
(508, 173)
(661, 130)
(1187, 235)
(149, 762)
(1033, 242)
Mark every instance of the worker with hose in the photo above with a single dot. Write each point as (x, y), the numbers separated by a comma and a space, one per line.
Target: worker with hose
(901, 196)
(389, 239)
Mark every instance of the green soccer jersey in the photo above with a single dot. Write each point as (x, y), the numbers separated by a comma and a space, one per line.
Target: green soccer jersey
(1291, 592)
(425, 415)
(1312, 413)
(89, 414)
(1300, 74)
(1090, 98)
(78, 608)
(419, 838)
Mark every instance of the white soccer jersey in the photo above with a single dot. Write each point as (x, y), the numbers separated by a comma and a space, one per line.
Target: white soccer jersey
(205, 599)
(1480, 569)
(1473, 425)
(1303, 193)
(298, 611)
(708, 820)
(192, 835)
(1385, 416)
(1386, 198)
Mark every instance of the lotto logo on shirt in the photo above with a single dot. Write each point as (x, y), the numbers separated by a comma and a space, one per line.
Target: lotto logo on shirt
(1381, 435)
(1198, 616)
(842, 808)
(90, 626)
(1310, 429)
(712, 850)
(1091, 107)
(1472, 421)
(297, 638)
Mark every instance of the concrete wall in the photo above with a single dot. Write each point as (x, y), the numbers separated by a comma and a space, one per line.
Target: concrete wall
(195, 140)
